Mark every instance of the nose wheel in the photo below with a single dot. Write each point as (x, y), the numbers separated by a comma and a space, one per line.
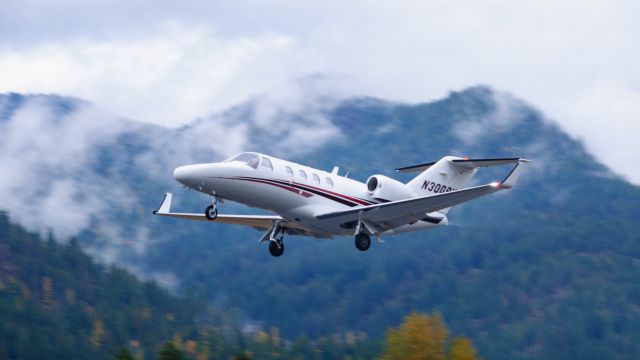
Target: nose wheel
(211, 212)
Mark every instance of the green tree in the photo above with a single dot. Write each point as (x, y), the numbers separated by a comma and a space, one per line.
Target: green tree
(170, 352)
(123, 354)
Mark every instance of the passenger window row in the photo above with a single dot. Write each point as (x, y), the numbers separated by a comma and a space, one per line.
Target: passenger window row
(303, 175)
(252, 159)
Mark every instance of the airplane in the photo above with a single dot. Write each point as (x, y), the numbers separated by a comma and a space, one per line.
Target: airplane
(312, 202)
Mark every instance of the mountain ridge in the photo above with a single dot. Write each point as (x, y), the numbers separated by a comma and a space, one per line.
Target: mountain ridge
(532, 258)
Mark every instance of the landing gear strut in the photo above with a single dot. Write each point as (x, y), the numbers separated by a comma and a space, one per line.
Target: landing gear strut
(211, 212)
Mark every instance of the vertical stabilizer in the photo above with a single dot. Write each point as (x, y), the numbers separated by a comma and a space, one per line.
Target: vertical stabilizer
(440, 177)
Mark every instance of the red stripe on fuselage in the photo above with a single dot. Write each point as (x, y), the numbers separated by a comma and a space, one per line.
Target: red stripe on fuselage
(356, 200)
(290, 188)
(343, 199)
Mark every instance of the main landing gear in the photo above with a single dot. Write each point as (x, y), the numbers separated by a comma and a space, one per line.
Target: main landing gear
(211, 212)
(276, 248)
(363, 240)
(276, 240)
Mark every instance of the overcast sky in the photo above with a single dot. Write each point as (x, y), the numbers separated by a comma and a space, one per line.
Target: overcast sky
(168, 62)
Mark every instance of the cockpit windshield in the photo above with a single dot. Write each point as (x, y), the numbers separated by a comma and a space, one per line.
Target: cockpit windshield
(251, 159)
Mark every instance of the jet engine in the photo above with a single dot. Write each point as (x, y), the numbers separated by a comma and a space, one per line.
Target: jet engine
(387, 189)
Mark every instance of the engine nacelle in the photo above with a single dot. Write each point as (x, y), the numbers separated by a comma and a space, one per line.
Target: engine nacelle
(385, 188)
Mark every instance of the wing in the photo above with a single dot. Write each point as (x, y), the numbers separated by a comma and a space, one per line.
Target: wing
(410, 210)
(259, 222)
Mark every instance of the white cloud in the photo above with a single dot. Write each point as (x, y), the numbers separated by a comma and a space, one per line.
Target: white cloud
(167, 78)
(574, 60)
(44, 161)
(53, 177)
(507, 112)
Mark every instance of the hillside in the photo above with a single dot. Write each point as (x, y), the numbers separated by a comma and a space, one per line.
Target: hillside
(56, 302)
(546, 270)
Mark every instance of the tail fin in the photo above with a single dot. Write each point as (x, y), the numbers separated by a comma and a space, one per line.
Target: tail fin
(448, 174)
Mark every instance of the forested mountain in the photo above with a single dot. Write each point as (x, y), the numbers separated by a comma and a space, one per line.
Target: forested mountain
(58, 303)
(548, 269)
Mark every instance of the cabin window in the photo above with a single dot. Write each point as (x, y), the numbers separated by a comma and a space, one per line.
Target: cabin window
(316, 178)
(250, 159)
(266, 163)
(303, 174)
(329, 182)
(289, 170)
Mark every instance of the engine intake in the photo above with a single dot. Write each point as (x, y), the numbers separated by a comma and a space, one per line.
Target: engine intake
(385, 188)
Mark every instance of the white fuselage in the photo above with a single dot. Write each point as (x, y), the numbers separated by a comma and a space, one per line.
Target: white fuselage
(297, 193)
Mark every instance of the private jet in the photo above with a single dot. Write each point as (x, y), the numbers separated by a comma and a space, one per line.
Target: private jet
(312, 202)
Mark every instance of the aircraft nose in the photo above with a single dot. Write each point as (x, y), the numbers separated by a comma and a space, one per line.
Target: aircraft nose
(184, 174)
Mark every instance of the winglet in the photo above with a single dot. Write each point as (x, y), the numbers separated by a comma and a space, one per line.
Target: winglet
(512, 178)
(165, 207)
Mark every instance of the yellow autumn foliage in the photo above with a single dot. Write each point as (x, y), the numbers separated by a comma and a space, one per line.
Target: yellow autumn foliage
(424, 337)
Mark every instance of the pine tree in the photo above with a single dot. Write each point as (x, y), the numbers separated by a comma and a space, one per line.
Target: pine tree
(170, 352)
(123, 354)
(242, 356)
(47, 292)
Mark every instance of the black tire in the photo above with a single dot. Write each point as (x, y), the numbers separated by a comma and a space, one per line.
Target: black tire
(363, 242)
(211, 212)
(276, 248)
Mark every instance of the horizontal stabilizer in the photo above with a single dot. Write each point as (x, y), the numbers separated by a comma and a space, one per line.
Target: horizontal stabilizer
(465, 163)
(416, 168)
(478, 163)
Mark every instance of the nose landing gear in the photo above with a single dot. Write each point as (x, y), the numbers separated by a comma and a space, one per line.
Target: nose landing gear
(211, 212)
